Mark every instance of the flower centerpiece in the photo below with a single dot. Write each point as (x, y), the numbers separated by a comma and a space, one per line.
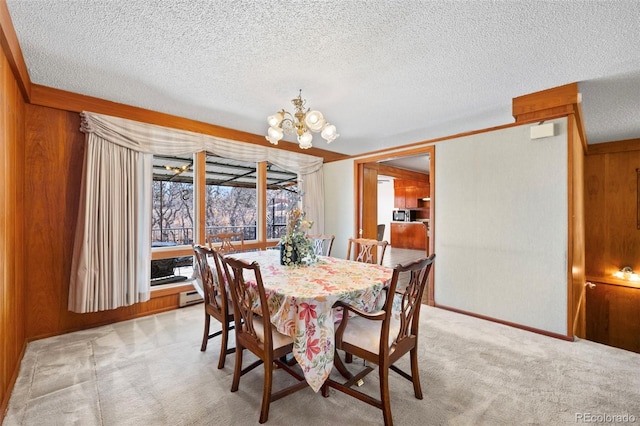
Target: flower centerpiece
(295, 246)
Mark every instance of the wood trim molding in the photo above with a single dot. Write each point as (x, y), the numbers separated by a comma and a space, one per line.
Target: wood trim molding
(69, 101)
(11, 48)
(551, 103)
(613, 281)
(383, 169)
(511, 324)
(545, 100)
(626, 145)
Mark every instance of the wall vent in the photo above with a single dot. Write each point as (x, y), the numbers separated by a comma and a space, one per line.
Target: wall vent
(190, 298)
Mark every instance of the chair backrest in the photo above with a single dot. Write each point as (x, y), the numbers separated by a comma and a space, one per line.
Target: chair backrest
(407, 288)
(226, 240)
(368, 250)
(212, 278)
(238, 272)
(322, 244)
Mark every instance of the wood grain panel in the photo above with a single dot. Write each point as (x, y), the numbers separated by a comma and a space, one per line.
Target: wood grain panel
(614, 316)
(576, 321)
(409, 236)
(614, 147)
(12, 292)
(55, 151)
(552, 103)
(401, 173)
(612, 240)
(612, 237)
(560, 96)
(53, 176)
(13, 52)
(370, 202)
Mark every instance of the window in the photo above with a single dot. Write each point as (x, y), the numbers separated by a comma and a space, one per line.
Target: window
(172, 221)
(281, 197)
(229, 204)
(231, 197)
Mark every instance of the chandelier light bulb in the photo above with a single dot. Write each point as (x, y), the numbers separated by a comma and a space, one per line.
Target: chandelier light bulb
(305, 140)
(274, 134)
(314, 121)
(275, 119)
(329, 133)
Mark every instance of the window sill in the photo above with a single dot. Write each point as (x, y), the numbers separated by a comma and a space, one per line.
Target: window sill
(171, 289)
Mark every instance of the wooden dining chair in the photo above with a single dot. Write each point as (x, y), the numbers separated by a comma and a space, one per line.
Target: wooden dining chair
(216, 302)
(382, 338)
(229, 242)
(367, 251)
(322, 243)
(256, 333)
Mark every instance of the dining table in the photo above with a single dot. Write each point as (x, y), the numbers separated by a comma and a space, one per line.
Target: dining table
(301, 298)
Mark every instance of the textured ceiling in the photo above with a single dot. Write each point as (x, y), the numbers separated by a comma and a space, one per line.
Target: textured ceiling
(386, 73)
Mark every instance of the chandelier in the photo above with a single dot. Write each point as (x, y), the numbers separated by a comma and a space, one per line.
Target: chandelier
(301, 122)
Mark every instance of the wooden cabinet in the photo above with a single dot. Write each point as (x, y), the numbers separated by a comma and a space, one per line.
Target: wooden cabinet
(399, 198)
(423, 192)
(412, 235)
(613, 315)
(411, 197)
(407, 193)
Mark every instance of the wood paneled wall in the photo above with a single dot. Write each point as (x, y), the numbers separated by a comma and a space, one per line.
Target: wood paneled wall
(611, 209)
(12, 291)
(612, 241)
(54, 149)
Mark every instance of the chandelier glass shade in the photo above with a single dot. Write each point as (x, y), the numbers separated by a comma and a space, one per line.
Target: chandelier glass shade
(302, 123)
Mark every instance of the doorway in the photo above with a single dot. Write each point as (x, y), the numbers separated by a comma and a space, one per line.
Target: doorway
(396, 165)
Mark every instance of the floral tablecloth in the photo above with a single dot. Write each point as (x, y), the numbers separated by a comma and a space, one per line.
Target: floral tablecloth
(300, 300)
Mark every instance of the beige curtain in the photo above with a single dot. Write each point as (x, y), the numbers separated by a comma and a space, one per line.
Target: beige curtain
(112, 251)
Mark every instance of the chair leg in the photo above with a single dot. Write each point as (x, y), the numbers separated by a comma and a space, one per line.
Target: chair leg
(348, 358)
(384, 395)
(205, 338)
(415, 374)
(337, 363)
(237, 369)
(266, 392)
(325, 389)
(223, 346)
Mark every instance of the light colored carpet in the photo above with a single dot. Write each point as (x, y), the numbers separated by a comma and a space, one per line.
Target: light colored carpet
(150, 371)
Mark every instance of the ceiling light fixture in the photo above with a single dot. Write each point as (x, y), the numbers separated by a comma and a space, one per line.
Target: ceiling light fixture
(178, 170)
(301, 122)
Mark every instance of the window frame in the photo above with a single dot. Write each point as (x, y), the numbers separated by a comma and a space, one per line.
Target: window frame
(199, 179)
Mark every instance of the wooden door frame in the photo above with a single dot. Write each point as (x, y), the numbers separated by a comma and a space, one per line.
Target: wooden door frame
(361, 210)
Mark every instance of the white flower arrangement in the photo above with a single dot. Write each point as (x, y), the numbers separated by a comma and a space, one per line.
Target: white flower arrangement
(295, 246)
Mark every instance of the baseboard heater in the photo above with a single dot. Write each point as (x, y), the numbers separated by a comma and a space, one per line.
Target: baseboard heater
(189, 298)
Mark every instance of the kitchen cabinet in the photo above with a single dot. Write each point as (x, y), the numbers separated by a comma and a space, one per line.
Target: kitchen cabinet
(399, 198)
(411, 197)
(411, 235)
(408, 193)
(422, 192)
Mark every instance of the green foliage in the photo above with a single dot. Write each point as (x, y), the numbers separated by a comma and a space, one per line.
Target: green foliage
(297, 249)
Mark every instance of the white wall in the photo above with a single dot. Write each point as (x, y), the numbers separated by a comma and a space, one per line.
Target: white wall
(339, 208)
(501, 226)
(385, 205)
